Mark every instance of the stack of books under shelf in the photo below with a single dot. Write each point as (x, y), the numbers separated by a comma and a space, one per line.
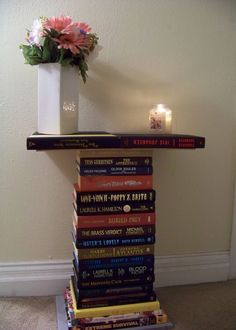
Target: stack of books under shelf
(113, 243)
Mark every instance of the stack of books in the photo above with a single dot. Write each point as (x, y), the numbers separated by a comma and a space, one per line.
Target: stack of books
(113, 242)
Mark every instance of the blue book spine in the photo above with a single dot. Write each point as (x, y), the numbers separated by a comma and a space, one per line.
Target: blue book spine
(95, 243)
(115, 170)
(114, 262)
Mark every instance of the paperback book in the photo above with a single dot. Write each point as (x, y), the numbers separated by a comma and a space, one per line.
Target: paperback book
(127, 220)
(113, 209)
(111, 310)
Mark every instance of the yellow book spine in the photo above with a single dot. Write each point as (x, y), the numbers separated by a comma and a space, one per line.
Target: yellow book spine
(117, 251)
(112, 310)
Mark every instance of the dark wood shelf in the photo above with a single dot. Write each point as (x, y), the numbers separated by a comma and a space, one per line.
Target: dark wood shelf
(104, 140)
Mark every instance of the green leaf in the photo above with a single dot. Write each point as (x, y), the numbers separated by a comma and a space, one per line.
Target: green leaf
(66, 61)
(46, 50)
(32, 54)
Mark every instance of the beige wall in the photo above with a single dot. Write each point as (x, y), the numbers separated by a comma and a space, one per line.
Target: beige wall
(178, 52)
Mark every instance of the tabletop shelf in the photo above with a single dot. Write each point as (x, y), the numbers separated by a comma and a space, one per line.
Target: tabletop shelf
(105, 140)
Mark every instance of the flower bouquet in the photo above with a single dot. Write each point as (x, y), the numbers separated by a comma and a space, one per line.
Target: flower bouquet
(59, 40)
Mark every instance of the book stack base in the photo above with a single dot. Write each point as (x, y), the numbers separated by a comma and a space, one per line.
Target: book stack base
(122, 229)
(114, 234)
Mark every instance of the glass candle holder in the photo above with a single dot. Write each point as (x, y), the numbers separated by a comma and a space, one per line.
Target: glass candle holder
(160, 119)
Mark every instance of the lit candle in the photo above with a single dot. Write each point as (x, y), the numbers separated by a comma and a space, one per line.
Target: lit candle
(160, 119)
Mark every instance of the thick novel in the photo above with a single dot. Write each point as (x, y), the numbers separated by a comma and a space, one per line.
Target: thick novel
(109, 197)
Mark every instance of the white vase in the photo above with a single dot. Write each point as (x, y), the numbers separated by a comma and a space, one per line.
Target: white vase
(58, 99)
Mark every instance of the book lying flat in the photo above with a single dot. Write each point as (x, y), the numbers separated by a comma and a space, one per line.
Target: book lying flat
(103, 140)
(112, 310)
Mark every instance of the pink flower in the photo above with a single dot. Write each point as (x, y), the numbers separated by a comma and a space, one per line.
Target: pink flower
(58, 23)
(83, 26)
(74, 41)
(73, 36)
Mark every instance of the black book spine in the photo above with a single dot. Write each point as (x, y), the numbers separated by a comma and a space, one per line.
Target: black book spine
(116, 281)
(109, 197)
(112, 141)
(84, 293)
(39, 142)
(110, 272)
(162, 141)
(86, 303)
(116, 208)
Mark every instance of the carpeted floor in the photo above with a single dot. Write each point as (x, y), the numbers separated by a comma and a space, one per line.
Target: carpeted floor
(201, 307)
(192, 307)
(28, 313)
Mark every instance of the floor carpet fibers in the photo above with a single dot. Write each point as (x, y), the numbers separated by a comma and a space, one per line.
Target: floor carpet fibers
(191, 307)
(28, 313)
(201, 307)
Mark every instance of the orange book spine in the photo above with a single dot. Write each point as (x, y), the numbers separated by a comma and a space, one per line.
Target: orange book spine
(136, 219)
(115, 182)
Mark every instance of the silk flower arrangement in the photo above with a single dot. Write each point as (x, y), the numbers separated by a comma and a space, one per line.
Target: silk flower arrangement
(60, 48)
(59, 40)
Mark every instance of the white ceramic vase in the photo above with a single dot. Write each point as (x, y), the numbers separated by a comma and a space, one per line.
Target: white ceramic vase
(58, 99)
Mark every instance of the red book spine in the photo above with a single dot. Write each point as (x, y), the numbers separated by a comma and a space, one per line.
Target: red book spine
(136, 219)
(115, 182)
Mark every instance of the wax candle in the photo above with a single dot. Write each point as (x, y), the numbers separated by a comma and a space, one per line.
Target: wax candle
(160, 119)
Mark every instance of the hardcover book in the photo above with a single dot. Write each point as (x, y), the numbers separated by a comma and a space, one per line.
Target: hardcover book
(114, 182)
(108, 272)
(112, 153)
(113, 171)
(91, 163)
(116, 262)
(121, 299)
(112, 310)
(118, 251)
(108, 232)
(129, 281)
(105, 140)
(113, 242)
(125, 208)
(116, 218)
(115, 321)
(110, 291)
(109, 197)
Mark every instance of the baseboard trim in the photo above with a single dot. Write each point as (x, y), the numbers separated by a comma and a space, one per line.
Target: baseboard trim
(37, 278)
(51, 277)
(191, 268)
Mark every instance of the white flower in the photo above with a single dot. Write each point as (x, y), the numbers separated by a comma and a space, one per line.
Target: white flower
(36, 32)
